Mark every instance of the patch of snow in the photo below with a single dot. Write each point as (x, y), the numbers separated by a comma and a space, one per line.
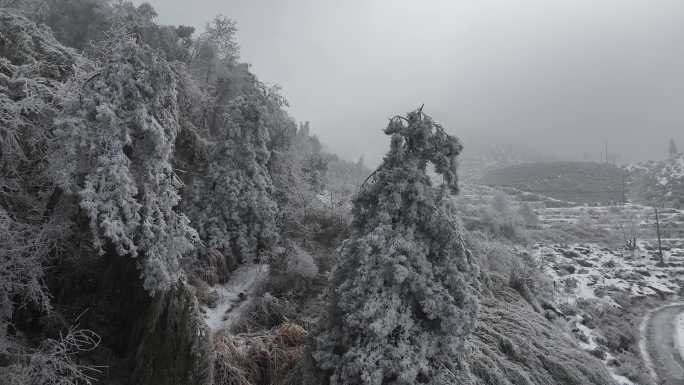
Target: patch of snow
(325, 198)
(621, 380)
(234, 296)
(590, 344)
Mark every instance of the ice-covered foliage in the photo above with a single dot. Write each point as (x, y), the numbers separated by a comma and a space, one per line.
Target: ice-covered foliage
(298, 169)
(500, 219)
(23, 250)
(116, 136)
(405, 297)
(231, 202)
(32, 66)
(343, 180)
(215, 51)
(55, 362)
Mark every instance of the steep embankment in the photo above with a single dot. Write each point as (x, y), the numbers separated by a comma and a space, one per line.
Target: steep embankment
(514, 345)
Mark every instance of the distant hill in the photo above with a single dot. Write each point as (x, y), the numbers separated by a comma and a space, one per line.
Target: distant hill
(658, 183)
(581, 182)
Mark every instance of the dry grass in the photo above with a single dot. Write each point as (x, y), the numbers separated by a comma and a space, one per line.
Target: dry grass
(514, 345)
(258, 358)
(620, 330)
(215, 267)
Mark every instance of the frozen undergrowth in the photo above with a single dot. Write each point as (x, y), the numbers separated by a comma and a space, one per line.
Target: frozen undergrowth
(234, 296)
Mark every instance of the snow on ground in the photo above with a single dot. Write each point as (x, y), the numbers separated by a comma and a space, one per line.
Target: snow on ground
(233, 297)
(592, 271)
(605, 217)
(589, 271)
(621, 380)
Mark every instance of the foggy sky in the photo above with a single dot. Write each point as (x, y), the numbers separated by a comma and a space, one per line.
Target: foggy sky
(560, 77)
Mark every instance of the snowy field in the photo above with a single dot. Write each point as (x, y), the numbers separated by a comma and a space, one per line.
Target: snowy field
(593, 272)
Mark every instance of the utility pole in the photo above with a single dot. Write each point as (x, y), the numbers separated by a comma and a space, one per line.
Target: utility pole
(660, 246)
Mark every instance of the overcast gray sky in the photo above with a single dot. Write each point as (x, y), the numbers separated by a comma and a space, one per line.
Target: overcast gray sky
(557, 76)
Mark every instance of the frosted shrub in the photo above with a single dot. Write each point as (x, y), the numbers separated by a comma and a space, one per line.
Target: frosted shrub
(404, 297)
(501, 220)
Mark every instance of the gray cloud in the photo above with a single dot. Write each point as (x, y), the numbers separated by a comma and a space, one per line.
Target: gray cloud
(557, 76)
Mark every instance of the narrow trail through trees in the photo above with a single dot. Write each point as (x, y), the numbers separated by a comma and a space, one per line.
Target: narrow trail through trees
(234, 297)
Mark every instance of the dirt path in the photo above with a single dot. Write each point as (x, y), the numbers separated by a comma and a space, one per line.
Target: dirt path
(234, 297)
(660, 345)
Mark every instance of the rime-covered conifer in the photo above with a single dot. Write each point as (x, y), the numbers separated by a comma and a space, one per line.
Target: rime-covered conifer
(231, 202)
(404, 299)
(117, 137)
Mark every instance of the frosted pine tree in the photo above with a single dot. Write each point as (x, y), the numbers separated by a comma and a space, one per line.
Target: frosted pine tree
(117, 136)
(404, 300)
(231, 201)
